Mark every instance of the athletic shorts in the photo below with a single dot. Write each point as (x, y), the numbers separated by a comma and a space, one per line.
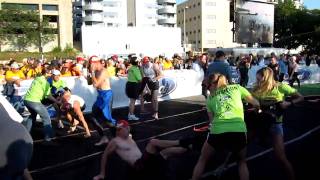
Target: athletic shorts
(231, 141)
(133, 90)
(146, 161)
(276, 129)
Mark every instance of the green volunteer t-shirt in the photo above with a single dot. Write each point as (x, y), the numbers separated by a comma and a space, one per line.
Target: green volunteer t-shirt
(58, 84)
(227, 108)
(134, 74)
(39, 89)
(277, 94)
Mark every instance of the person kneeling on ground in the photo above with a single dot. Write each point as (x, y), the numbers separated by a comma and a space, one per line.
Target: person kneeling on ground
(73, 106)
(128, 150)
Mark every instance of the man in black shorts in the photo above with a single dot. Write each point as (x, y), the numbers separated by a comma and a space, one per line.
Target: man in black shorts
(127, 149)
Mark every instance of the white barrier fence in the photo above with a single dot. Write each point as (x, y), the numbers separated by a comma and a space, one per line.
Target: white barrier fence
(175, 84)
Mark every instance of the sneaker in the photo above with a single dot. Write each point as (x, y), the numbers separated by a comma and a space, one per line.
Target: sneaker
(132, 117)
(60, 125)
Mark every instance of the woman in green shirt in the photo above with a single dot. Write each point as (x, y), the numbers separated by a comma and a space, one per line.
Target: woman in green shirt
(271, 95)
(228, 129)
(133, 86)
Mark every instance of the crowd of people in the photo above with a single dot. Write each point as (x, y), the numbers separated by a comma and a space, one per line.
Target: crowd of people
(224, 103)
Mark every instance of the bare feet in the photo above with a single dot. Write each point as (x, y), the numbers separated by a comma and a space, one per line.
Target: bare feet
(98, 177)
(103, 140)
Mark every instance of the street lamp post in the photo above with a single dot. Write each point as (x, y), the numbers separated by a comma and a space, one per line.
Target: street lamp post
(184, 28)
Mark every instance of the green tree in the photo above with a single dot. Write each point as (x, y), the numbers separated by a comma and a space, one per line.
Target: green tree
(296, 27)
(22, 28)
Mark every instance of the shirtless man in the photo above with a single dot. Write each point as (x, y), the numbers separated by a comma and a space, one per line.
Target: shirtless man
(128, 150)
(102, 108)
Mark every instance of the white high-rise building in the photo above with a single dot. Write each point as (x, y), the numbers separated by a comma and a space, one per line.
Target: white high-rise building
(130, 26)
(110, 13)
(150, 13)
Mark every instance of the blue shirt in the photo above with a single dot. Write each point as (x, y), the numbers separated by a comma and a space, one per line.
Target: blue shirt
(282, 67)
(221, 67)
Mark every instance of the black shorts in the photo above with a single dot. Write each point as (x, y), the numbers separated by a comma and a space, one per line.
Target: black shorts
(231, 141)
(146, 161)
(133, 90)
(152, 85)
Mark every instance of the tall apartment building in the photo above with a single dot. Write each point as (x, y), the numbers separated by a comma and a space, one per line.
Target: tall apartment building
(205, 24)
(110, 13)
(146, 13)
(59, 13)
(122, 13)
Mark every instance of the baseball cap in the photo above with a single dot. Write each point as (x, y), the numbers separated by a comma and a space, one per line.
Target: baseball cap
(122, 124)
(145, 60)
(94, 59)
(79, 58)
(14, 66)
(56, 72)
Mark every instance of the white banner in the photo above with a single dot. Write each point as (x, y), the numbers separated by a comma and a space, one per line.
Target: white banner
(174, 84)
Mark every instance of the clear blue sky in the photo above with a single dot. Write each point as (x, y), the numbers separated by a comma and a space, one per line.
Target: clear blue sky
(310, 4)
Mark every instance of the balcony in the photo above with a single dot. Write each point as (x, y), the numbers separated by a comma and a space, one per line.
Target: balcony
(78, 4)
(77, 11)
(93, 18)
(93, 7)
(171, 21)
(161, 2)
(167, 10)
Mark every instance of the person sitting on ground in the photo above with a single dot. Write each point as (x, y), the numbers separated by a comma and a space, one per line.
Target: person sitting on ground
(73, 106)
(228, 129)
(127, 149)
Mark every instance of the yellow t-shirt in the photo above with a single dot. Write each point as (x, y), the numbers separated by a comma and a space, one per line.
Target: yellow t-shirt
(32, 73)
(167, 65)
(10, 75)
(112, 71)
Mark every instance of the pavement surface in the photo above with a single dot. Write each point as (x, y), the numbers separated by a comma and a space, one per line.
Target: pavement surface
(71, 156)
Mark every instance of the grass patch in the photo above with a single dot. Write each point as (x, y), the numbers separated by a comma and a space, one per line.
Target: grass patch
(18, 56)
(309, 89)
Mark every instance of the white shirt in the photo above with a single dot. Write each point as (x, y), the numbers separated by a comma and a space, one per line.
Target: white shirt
(74, 98)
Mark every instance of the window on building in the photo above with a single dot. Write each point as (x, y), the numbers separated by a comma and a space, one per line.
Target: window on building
(49, 7)
(199, 3)
(22, 6)
(199, 16)
(194, 31)
(51, 18)
(199, 41)
(194, 5)
(109, 24)
(198, 30)
(178, 11)
(190, 19)
(178, 22)
(210, 3)
(211, 30)
(186, 33)
(211, 42)
(190, 32)
(211, 16)
(195, 18)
